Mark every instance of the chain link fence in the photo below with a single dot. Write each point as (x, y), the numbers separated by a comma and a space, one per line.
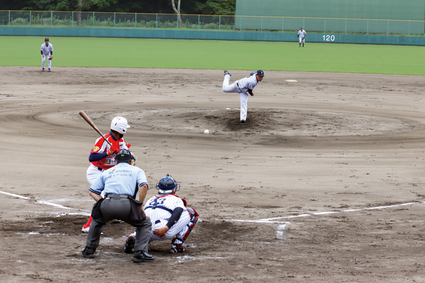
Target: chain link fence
(210, 22)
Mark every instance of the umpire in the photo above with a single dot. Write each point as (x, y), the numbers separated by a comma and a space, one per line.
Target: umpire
(120, 185)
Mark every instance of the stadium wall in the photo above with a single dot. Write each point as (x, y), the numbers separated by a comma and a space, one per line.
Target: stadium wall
(364, 16)
(209, 35)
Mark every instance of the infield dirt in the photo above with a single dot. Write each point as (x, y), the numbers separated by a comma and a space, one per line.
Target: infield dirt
(324, 183)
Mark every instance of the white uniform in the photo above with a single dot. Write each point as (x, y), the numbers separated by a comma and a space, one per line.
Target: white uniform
(46, 52)
(159, 209)
(241, 86)
(301, 36)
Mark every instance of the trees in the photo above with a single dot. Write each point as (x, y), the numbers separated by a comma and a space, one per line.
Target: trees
(208, 7)
(177, 11)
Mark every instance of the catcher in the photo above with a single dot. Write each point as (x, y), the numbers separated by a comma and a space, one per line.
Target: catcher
(169, 215)
(46, 52)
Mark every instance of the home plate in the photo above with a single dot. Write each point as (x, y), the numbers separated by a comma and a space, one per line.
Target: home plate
(291, 81)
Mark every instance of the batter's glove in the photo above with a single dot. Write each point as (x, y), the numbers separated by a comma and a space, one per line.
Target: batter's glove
(113, 149)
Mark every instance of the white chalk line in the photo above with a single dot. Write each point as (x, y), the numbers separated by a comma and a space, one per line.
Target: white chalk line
(43, 202)
(274, 220)
(282, 224)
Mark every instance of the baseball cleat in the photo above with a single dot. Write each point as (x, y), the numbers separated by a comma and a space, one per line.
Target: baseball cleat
(178, 248)
(42, 69)
(129, 244)
(49, 70)
(243, 121)
(227, 73)
(142, 256)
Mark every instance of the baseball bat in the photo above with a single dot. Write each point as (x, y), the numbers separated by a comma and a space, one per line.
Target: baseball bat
(90, 122)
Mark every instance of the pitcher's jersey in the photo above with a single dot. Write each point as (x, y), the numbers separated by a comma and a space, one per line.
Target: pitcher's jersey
(247, 83)
(101, 146)
(46, 49)
(161, 207)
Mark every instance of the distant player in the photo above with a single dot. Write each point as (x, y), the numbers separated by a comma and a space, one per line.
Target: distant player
(46, 52)
(301, 36)
(243, 87)
(170, 217)
(102, 156)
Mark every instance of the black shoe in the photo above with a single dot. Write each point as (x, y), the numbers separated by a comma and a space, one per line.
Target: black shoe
(42, 69)
(49, 70)
(243, 121)
(142, 256)
(88, 252)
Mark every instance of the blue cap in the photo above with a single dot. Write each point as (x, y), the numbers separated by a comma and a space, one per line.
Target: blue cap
(46, 39)
(260, 73)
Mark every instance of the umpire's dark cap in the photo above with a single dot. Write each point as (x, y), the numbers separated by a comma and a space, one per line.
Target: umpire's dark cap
(46, 39)
(260, 73)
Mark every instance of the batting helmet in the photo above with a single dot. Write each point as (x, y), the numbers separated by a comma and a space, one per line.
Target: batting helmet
(124, 155)
(260, 73)
(167, 185)
(120, 125)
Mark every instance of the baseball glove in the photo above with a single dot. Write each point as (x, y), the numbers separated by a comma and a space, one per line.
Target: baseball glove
(51, 57)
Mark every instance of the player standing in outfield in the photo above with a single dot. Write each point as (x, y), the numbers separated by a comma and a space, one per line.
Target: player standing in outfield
(301, 36)
(46, 52)
(102, 155)
(170, 217)
(120, 186)
(243, 87)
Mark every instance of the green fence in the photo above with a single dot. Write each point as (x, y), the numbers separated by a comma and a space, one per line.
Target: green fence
(212, 23)
(335, 16)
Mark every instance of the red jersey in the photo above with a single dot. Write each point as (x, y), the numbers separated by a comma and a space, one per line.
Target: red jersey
(101, 146)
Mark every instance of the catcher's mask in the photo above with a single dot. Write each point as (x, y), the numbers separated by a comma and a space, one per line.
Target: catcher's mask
(124, 155)
(167, 185)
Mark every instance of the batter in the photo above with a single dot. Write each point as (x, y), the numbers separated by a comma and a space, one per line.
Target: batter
(102, 155)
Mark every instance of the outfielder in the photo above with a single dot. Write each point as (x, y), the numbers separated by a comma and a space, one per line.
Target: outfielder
(102, 155)
(243, 87)
(46, 52)
(301, 36)
(170, 217)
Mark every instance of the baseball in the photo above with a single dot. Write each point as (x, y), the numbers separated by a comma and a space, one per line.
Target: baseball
(206, 132)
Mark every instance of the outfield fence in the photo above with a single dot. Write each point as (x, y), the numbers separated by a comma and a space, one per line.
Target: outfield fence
(347, 26)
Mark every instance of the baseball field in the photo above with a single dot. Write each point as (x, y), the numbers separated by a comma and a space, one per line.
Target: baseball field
(234, 55)
(324, 183)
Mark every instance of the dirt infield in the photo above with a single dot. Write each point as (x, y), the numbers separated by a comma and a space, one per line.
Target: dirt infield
(324, 183)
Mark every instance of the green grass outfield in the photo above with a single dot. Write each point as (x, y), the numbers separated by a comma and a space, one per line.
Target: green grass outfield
(206, 54)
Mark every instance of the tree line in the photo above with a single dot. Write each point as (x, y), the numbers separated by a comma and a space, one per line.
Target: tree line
(206, 7)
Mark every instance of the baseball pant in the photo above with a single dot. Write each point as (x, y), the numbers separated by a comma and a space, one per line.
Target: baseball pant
(118, 207)
(227, 87)
(92, 173)
(179, 229)
(43, 61)
(301, 40)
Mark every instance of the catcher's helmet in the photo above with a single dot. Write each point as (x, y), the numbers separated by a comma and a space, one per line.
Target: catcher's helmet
(120, 125)
(124, 155)
(260, 73)
(167, 185)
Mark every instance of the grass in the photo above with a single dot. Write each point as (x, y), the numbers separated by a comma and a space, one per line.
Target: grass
(199, 54)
